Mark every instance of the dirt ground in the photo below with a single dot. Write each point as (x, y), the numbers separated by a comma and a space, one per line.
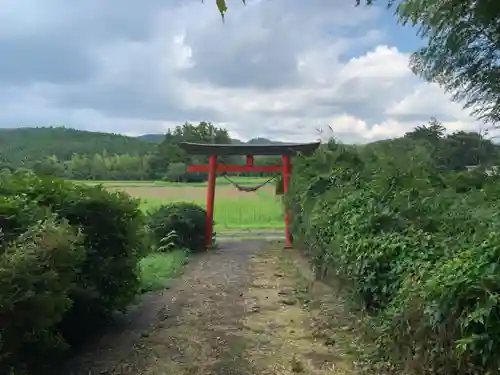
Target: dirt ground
(249, 307)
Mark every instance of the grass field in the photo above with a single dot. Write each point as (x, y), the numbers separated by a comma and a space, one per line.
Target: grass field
(233, 209)
(220, 182)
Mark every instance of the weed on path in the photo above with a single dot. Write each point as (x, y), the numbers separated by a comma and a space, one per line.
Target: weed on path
(243, 309)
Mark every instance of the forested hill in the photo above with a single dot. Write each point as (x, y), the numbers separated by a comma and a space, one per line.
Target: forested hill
(153, 138)
(58, 149)
(158, 138)
(26, 145)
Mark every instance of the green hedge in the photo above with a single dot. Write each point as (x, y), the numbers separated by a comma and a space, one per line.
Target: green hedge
(68, 257)
(418, 246)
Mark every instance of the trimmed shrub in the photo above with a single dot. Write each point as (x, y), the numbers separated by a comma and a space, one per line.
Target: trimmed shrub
(38, 258)
(112, 230)
(186, 220)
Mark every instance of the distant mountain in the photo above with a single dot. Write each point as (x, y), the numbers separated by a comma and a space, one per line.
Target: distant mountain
(158, 138)
(153, 138)
(24, 146)
(263, 141)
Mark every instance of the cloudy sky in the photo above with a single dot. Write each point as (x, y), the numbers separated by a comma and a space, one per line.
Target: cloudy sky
(276, 68)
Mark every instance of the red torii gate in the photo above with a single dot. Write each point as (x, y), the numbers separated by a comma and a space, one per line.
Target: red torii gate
(286, 151)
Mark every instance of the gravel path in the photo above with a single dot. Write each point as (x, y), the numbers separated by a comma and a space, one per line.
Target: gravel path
(235, 311)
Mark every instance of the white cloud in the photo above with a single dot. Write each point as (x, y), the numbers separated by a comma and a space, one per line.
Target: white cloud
(279, 69)
(428, 99)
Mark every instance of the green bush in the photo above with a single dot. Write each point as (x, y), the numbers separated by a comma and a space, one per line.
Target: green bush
(186, 220)
(38, 258)
(446, 313)
(417, 245)
(112, 236)
(112, 226)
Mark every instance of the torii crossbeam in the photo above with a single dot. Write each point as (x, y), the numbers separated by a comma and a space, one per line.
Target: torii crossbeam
(286, 151)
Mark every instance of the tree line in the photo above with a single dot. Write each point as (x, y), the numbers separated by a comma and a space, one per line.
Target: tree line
(101, 156)
(457, 151)
(131, 160)
(23, 147)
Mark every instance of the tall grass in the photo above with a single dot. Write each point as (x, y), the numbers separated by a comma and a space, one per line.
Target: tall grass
(157, 269)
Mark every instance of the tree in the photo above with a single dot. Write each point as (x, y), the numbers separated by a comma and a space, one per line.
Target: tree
(49, 166)
(463, 49)
(432, 132)
(462, 52)
(455, 151)
(168, 151)
(470, 148)
(176, 172)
